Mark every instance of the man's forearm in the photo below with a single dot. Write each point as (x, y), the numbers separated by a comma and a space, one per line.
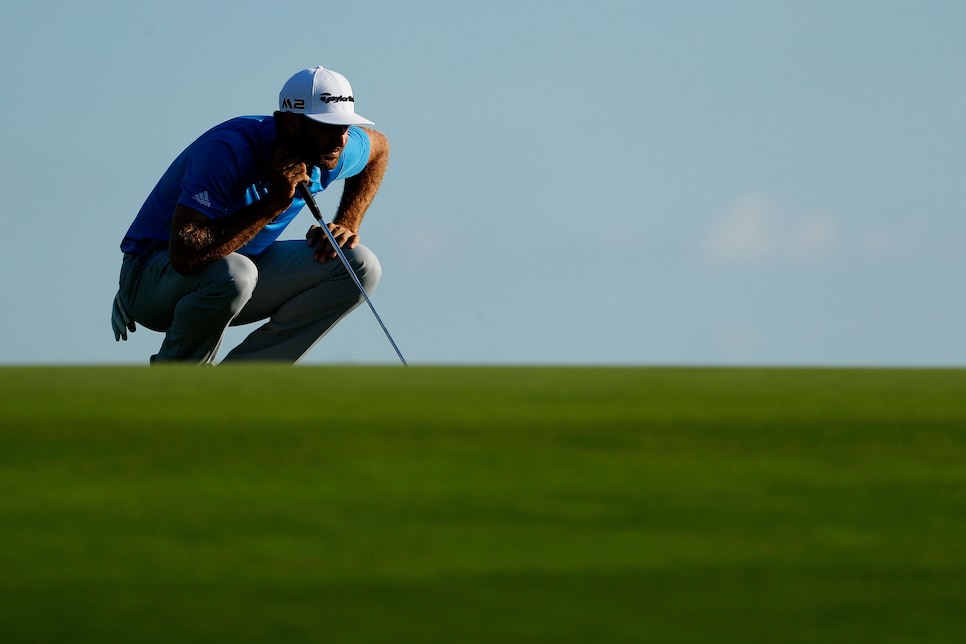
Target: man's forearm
(360, 190)
(197, 240)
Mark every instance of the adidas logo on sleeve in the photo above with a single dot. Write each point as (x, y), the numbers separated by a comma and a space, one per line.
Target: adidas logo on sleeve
(202, 198)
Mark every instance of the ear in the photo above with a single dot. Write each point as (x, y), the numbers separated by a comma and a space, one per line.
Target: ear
(287, 125)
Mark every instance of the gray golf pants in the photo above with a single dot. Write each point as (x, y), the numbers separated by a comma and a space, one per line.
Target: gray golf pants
(299, 298)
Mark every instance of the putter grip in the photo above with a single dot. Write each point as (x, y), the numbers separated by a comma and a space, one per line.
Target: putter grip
(303, 189)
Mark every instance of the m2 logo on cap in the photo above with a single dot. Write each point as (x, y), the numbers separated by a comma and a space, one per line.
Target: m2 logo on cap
(293, 103)
(329, 98)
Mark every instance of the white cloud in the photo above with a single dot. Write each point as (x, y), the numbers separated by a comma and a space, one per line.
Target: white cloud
(424, 242)
(757, 230)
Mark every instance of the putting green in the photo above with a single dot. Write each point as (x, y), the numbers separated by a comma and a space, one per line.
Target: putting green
(431, 504)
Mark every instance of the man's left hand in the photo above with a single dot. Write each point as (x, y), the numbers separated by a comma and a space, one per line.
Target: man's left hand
(345, 237)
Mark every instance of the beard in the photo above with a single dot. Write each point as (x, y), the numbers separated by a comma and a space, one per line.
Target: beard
(329, 160)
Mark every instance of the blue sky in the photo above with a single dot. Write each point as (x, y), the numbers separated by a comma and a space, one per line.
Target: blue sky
(619, 182)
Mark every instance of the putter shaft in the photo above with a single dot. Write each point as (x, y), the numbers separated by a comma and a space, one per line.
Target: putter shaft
(317, 213)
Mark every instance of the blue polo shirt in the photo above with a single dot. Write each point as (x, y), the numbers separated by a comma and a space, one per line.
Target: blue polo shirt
(223, 171)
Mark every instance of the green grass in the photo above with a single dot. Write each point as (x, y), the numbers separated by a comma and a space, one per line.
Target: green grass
(482, 505)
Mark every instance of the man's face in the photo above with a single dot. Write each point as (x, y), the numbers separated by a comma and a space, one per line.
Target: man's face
(320, 144)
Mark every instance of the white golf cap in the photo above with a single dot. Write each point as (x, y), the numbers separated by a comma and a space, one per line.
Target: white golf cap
(322, 95)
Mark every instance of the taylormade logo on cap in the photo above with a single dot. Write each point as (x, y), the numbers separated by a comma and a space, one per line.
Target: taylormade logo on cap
(328, 98)
(322, 95)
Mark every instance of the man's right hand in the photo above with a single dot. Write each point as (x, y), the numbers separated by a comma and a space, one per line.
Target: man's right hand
(287, 172)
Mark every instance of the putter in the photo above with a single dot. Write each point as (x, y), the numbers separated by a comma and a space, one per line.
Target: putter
(303, 191)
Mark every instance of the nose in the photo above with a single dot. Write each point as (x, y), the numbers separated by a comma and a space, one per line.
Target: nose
(334, 139)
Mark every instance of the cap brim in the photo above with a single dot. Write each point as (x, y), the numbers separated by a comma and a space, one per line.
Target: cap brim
(340, 118)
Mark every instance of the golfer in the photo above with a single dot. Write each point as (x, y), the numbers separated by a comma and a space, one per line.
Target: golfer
(203, 252)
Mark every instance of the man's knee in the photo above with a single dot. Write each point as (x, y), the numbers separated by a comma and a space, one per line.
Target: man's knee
(231, 280)
(366, 266)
